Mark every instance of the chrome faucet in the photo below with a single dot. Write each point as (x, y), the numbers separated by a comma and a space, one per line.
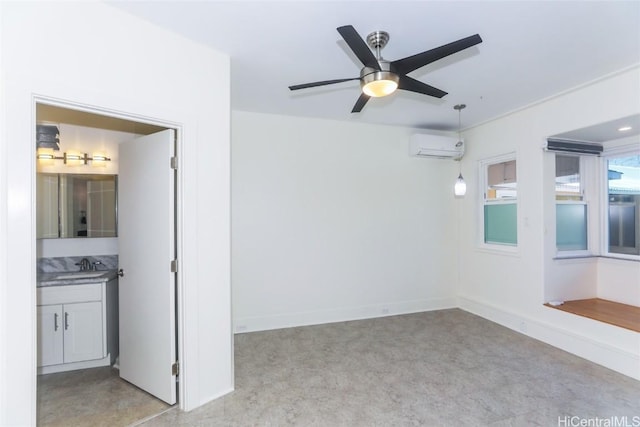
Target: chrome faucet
(85, 264)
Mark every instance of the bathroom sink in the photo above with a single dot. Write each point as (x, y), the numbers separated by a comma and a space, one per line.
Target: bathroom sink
(80, 275)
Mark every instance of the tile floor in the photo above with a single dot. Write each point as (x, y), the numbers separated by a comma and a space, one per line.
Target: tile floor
(440, 368)
(92, 397)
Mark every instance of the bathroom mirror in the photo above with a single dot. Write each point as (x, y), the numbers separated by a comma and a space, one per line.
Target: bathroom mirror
(76, 205)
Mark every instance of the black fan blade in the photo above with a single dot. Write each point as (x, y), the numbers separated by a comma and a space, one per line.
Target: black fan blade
(322, 83)
(413, 85)
(410, 63)
(360, 103)
(359, 47)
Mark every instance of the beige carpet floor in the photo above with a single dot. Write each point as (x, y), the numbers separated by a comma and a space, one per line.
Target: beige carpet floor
(440, 368)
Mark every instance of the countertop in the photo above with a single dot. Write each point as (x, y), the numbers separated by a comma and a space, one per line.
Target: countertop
(51, 279)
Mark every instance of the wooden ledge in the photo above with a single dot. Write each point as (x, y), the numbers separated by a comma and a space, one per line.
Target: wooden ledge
(614, 313)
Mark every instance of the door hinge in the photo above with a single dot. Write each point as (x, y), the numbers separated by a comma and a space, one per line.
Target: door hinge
(174, 162)
(175, 369)
(174, 266)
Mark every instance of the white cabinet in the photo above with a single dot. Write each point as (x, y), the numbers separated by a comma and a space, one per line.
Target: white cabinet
(83, 331)
(72, 326)
(50, 347)
(69, 333)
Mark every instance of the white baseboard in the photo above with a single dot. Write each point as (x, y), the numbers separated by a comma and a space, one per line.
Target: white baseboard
(208, 399)
(254, 324)
(74, 366)
(588, 347)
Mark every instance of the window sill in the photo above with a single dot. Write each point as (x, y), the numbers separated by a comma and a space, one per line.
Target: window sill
(621, 258)
(590, 256)
(614, 313)
(575, 256)
(499, 250)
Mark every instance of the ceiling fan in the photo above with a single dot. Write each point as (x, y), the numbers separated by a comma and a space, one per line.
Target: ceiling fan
(380, 77)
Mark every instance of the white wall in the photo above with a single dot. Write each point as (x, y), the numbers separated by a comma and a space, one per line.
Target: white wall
(51, 248)
(91, 54)
(511, 289)
(570, 279)
(619, 281)
(334, 221)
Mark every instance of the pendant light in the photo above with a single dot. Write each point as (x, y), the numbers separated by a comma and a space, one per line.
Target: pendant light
(460, 187)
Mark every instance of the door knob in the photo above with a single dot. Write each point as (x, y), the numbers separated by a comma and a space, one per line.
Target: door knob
(121, 273)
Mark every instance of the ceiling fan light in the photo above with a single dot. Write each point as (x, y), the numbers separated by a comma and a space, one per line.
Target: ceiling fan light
(379, 83)
(380, 88)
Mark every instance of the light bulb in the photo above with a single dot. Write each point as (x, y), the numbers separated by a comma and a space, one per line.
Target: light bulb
(460, 188)
(99, 160)
(380, 88)
(377, 83)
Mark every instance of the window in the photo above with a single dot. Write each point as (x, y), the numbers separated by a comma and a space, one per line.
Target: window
(500, 201)
(571, 209)
(623, 196)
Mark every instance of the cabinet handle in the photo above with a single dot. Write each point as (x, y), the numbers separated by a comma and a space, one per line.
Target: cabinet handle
(55, 321)
(66, 320)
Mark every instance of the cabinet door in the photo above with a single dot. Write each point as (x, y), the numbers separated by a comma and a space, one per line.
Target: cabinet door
(50, 336)
(83, 339)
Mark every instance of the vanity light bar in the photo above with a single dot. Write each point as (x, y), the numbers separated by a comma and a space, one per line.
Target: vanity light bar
(74, 157)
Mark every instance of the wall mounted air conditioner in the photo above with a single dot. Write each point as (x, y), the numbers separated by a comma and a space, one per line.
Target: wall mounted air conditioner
(572, 146)
(436, 146)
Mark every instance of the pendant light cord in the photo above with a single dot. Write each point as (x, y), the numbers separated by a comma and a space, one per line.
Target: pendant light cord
(460, 188)
(459, 107)
(459, 137)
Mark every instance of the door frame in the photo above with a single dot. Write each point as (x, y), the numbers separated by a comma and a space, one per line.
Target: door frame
(70, 105)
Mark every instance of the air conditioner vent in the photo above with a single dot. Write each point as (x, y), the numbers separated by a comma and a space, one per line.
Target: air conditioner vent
(571, 146)
(436, 146)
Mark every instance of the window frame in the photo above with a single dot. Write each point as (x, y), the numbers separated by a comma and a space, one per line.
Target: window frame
(584, 200)
(483, 180)
(621, 151)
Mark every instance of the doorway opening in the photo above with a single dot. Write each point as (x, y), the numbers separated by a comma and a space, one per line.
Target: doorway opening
(89, 131)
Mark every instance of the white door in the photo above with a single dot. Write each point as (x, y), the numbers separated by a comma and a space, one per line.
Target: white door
(146, 241)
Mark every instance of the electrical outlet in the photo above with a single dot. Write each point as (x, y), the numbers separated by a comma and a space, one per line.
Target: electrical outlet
(385, 310)
(241, 328)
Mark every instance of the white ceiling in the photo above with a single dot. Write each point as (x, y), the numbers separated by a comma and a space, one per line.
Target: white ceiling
(531, 50)
(608, 131)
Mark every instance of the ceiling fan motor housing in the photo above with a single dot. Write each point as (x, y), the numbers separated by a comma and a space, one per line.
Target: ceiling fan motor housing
(384, 76)
(378, 39)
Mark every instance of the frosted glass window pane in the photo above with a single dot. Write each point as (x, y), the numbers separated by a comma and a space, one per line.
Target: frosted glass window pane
(500, 224)
(571, 227)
